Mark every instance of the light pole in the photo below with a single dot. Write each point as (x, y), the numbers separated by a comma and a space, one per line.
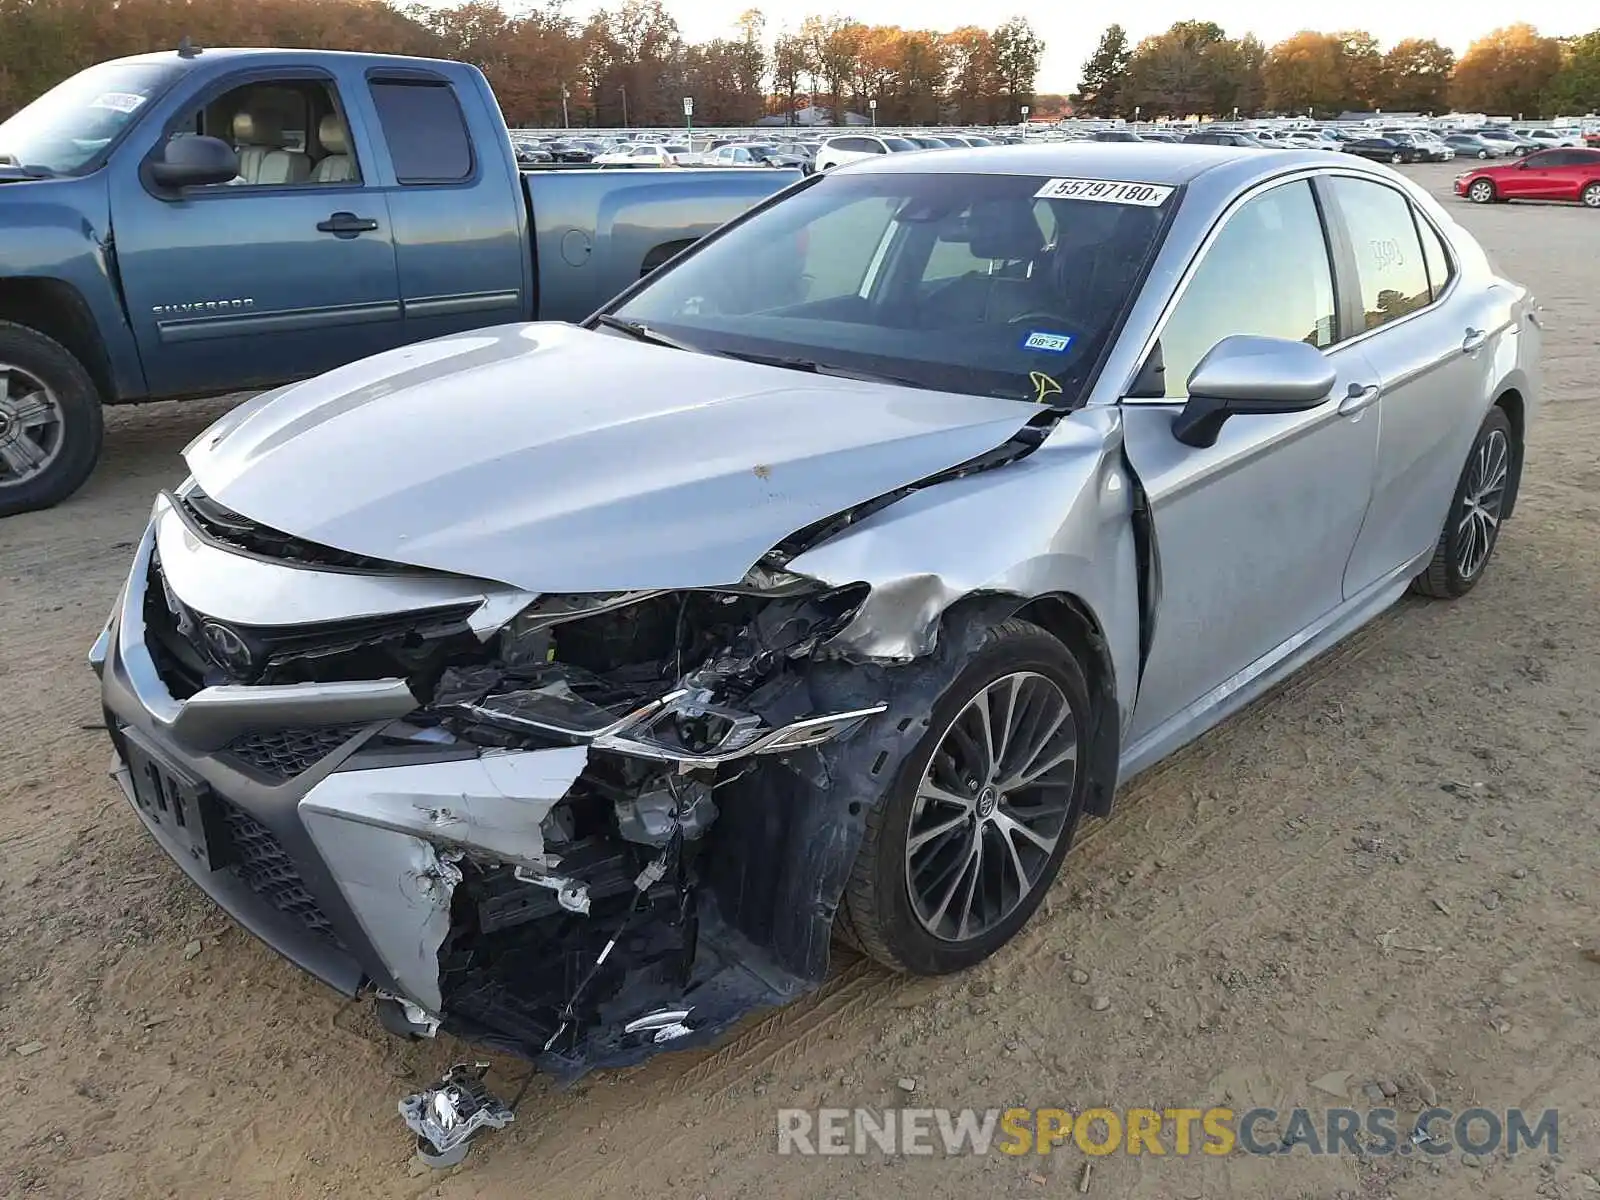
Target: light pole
(873, 105)
(565, 122)
(624, 92)
(1024, 116)
(688, 117)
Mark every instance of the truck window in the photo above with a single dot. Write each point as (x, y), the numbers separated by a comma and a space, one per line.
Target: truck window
(286, 132)
(425, 130)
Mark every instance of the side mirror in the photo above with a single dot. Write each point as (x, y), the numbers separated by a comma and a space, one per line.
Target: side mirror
(1244, 375)
(193, 162)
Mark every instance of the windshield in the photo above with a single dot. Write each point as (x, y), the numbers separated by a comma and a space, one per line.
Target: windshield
(964, 283)
(899, 144)
(66, 130)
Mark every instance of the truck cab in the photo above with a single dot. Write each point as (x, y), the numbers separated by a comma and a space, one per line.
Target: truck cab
(203, 222)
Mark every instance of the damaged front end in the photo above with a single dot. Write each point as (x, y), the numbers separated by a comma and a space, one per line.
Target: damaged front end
(591, 929)
(572, 827)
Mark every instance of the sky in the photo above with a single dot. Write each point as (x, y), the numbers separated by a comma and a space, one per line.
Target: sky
(1070, 32)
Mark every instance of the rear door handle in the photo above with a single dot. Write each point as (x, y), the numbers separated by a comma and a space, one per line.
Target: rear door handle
(1358, 398)
(346, 225)
(1474, 340)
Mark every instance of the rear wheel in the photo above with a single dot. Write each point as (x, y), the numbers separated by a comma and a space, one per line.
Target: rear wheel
(50, 421)
(1481, 192)
(979, 816)
(1472, 528)
(1397, 157)
(1591, 195)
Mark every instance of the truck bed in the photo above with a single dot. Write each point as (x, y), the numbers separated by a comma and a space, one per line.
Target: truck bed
(597, 231)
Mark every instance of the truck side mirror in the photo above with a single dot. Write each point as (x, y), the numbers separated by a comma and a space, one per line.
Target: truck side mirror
(193, 161)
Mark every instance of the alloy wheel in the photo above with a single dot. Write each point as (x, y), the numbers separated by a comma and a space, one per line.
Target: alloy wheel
(992, 806)
(1482, 191)
(31, 428)
(1591, 196)
(1482, 502)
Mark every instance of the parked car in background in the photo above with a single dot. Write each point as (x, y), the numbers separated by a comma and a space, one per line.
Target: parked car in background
(561, 687)
(753, 154)
(1170, 139)
(571, 151)
(854, 147)
(1383, 149)
(531, 154)
(276, 214)
(1470, 145)
(1224, 137)
(928, 142)
(1429, 149)
(1560, 174)
(1513, 143)
(646, 154)
(1546, 138)
(1115, 135)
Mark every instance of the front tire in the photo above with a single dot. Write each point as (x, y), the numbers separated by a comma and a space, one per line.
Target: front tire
(50, 421)
(1397, 157)
(1481, 192)
(1472, 527)
(1590, 196)
(973, 828)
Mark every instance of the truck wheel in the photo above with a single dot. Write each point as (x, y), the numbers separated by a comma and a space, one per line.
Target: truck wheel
(50, 421)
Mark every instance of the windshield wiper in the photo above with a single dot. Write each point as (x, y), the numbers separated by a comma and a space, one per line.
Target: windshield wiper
(10, 168)
(642, 332)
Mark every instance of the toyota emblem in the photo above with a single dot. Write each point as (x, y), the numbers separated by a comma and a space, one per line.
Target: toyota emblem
(227, 648)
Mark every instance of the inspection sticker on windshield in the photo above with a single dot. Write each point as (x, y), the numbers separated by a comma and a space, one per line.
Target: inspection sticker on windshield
(122, 102)
(1107, 191)
(1055, 343)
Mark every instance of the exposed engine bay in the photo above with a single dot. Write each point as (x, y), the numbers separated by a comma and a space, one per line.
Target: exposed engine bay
(606, 933)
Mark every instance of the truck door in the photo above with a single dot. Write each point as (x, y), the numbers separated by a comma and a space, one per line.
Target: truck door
(460, 222)
(285, 272)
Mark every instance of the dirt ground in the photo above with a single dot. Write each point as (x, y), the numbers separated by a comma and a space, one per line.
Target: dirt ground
(1386, 869)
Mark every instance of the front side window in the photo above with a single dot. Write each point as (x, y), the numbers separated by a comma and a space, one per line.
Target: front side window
(286, 132)
(70, 128)
(1389, 263)
(1267, 273)
(966, 283)
(425, 131)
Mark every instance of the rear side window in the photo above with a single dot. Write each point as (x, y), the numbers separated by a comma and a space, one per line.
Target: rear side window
(1389, 262)
(426, 133)
(1437, 258)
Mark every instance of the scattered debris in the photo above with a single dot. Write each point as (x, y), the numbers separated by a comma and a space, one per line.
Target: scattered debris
(192, 950)
(1083, 1180)
(1425, 1090)
(1388, 942)
(1100, 1003)
(1440, 905)
(1079, 975)
(1491, 900)
(30, 1048)
(906, 1084)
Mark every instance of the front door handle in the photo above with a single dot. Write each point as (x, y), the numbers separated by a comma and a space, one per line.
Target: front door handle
(1474, 340)
(346, 225)
(1358, 398)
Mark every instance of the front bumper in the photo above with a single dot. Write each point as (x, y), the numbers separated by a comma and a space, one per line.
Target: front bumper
(278, 805)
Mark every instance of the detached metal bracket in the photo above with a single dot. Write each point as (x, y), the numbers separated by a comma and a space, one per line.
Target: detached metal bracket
(446, 1118)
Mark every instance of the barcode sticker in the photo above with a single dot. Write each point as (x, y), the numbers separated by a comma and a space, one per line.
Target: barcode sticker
(1107, 191)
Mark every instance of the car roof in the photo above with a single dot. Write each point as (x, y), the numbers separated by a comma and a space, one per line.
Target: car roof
(1142, 162)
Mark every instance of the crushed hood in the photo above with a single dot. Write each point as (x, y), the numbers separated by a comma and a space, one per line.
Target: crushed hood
(559, 459)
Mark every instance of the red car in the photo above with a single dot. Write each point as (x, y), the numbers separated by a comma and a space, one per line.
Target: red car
(1559, 174)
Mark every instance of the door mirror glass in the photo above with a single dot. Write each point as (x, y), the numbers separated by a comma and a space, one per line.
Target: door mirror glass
(1245, 374)
(191, 160)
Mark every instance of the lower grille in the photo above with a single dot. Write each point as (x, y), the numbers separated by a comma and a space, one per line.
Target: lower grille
(285, 753)
(266, 868)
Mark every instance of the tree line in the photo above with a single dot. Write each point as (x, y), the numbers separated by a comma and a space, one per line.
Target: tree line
(1196, 69)
(625, 65)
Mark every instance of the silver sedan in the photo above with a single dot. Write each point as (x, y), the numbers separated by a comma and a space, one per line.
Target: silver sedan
(572, 687)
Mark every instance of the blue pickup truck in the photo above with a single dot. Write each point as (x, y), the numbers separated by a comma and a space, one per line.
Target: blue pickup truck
(205, 221)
